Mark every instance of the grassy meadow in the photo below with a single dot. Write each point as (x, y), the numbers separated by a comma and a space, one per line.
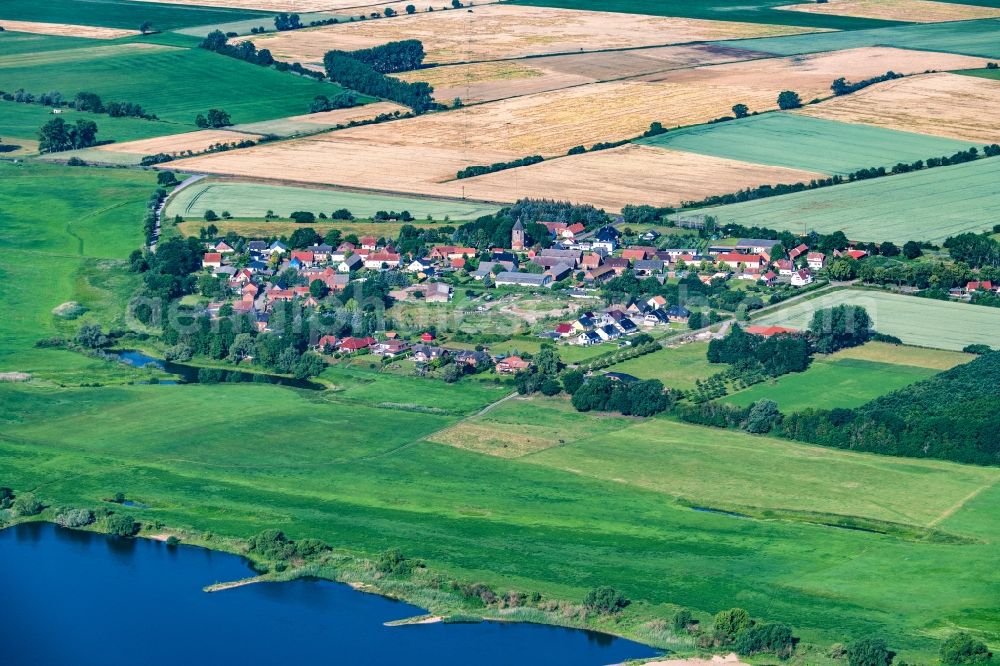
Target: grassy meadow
(64, 233)
(923, 205)
(916, 321)
(976, 38)
(22, 121)
(677, 367)
(810, 144)
(156, 74)
(832, 382)
(253, 200)
(365, 479)
(122, 13)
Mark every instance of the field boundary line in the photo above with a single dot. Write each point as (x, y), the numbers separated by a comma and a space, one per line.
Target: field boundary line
(950, 511)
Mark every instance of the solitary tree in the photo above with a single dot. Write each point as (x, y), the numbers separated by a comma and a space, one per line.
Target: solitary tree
(146, 27)
(869, 652)
(741, 110)
(410, 9)
(961, 649)
(789, 99)
(605, 599)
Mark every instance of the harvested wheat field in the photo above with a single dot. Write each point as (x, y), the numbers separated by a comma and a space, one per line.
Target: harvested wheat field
(551, 123)
(418, 154)
(811, 75)
(176, 144)
(316, 122)
(484, 33)
(486, 81)
(912, 11)
(67, 30)
(630, 174)
(951, 105)
(347, 159)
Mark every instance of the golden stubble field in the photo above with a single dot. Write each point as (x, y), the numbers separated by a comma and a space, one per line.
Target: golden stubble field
(630, 174)
(486, 81)
(419, 154)
(177, 143)
(498, 32)
(914, 11)
(951, 105)
(811, 75)
(66, 30)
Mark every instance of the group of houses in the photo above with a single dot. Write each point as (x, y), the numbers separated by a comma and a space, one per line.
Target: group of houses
(619, 321)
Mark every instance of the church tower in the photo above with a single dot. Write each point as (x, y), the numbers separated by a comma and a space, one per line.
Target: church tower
(517, 237)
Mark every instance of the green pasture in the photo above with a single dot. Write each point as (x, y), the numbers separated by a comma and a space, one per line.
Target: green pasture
(881, 353)
(253, 200)
(244, 26)
(923, 205)
(598, 512)
(982, 73)
(748, 11)
(24, 120)
(13, 43)
(121, 13)
(63, 235)
(176, 84)
(832, 382)
(677, 367)
(916, 321)
(810, 144)
(356, 382)
(975, 38)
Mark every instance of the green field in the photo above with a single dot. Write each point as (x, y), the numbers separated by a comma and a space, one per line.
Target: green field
(749, 11)
(159, 79)
(361, 478)
(982, 73)
(24, 120)
(63, 233)
(923, 205)
(13, 43)
(121, 13)
(916, 321)
(253, 200)
(677, 368)
(832, 382)
(802, 142)
(975, 38)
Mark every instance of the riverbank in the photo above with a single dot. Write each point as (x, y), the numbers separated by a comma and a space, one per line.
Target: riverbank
(422, 589)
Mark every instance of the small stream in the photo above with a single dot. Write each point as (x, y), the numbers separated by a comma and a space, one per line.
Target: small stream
(188, 374)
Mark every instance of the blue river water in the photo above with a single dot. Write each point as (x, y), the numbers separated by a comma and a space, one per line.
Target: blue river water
(78, 598)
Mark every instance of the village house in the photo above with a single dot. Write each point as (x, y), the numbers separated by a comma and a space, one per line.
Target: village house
(352, 345)
(327, 344)
(599, 274)
(302, 258)
(515, 279)
(678, 313)
(222, 247)
(647, 267)
(511, 365)
(737, 259)
(607, 238)
(755, 245)
(368, 243)
(802, 277)
(770, 331)
(351, 263)
(276, 248)
(784, 266)
(559, 271)
(211, 260)
(816, 260)
(426, 353)
(390, 348)
(571, 257)
(797, 251)
(321, 252)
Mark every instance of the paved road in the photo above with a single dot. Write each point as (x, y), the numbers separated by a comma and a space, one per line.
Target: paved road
(190, 180)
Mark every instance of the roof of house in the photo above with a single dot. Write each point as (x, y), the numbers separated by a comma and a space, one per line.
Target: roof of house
(739, 257)
(212, 257)
(768, 331)
(514, 277)
(747, 243)
(621, 377)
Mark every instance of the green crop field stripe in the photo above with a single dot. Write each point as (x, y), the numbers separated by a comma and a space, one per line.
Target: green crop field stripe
(917, 321)
(122, 13)
(748, 11)
(924, 205)
(802, 142)
(976, 38)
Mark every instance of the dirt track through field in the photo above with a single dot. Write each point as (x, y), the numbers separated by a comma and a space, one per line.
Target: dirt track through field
(66, 30)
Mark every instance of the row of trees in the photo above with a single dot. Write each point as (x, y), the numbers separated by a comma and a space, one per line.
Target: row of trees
(843, 87)
(352, 73)
(84, 101)
(479, 170)
(218, 42)
(391, 58)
